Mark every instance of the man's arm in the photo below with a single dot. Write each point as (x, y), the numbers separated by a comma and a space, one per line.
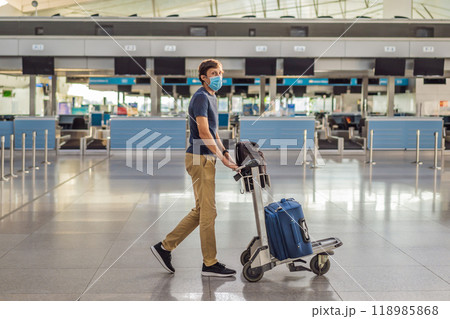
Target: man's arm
(205, 135)
(222, 148)
(211, 143)
(219, 142)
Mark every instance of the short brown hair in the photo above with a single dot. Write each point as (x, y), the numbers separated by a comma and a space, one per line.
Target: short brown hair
(206, 65)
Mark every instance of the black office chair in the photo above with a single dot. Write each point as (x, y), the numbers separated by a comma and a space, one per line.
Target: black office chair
(79, 124)
(332, 123)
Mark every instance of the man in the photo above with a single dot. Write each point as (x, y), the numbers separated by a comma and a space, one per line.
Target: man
(205, 146)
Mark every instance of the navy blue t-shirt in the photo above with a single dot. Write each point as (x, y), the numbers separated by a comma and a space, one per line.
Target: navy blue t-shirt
(202, 104)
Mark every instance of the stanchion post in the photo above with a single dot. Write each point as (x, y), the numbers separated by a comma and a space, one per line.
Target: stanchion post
(305, 146)
(108, 146)
(417, 162)
(82, 147)
(436, 139)
(371, 149)
(11, 157)
(46, 162)
(33, 166)
(316, 146)
(2, 164)
(24, 169)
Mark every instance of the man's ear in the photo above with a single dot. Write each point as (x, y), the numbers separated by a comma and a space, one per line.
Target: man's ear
(203, 77)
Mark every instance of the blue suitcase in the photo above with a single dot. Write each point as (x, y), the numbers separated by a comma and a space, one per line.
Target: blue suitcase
(287, 230)
(275, 235)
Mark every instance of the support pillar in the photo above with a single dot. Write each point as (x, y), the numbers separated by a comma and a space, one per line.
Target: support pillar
(155, 95)
(364, 96)
(175, 99)
(412, 89)
(272, 92)
(390, 95)
(262, 94)
(32, 95)
(53, 102)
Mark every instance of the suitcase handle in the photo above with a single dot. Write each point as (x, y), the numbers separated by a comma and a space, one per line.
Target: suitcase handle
(304, 230)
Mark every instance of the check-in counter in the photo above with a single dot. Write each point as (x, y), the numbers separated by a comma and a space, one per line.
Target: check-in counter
(38, 124)
(400, 132)
(148, 132)
(274, 132)
(6, 129)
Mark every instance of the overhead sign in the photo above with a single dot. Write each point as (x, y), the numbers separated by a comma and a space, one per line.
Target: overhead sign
(398, 82)
(196, 81)
(229, 81)
(130, 47)
(112, 81)
(261, 48)
(37, 47)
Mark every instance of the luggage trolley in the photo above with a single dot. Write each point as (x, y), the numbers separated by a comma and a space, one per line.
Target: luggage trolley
(257, 259)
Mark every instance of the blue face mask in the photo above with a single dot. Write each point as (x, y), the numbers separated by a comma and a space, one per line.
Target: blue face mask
(215, 83)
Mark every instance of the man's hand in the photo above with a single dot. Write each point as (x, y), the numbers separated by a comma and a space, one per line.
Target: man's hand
(228, 162)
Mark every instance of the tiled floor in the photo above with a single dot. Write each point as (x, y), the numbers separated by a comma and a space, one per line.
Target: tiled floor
(87, 224)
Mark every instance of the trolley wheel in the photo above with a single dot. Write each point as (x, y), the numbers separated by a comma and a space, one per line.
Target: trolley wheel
(245, 256)
(314, 265)
(252, 274)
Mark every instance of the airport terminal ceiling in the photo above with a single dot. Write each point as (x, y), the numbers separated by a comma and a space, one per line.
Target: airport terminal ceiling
(305, 9)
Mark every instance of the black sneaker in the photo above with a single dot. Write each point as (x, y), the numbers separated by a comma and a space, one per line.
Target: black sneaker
(163, 256)
(217, 270)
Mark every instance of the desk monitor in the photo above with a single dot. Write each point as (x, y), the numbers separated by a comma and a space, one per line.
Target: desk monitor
(66, 120)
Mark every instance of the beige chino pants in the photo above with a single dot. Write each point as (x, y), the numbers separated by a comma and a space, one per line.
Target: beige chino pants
(202, 169)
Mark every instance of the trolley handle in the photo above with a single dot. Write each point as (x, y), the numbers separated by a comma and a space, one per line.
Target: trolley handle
(249, 164)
